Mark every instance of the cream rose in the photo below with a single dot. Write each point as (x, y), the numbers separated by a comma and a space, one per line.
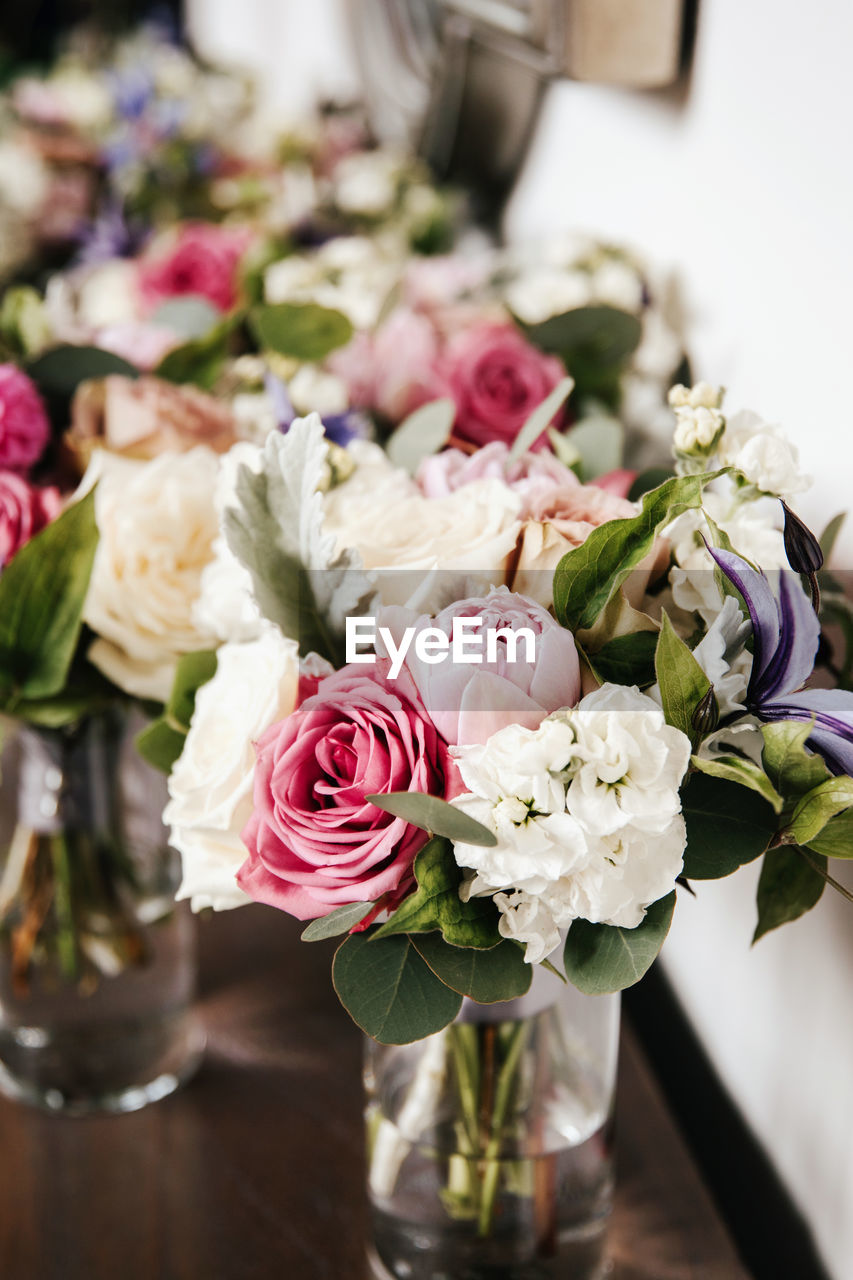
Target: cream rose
(210, 788)
(157, 523)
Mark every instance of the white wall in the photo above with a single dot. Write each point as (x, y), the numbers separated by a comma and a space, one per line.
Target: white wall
(745, 184)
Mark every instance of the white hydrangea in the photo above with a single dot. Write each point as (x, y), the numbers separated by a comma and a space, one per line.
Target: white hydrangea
(210, 787)
(587, 815)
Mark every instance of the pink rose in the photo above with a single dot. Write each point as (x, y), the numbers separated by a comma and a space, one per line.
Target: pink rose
(315, 843)
(202, 259)
(467, 703)
(24, 510)
(24, 425)
(619, 482)
(394, 370)
(497, 379)
(143, 345)
(533, 476)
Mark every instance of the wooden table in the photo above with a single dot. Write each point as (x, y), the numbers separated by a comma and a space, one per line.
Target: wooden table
(255, 1169)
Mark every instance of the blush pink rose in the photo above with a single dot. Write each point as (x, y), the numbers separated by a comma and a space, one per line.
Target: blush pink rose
(24, 511)
(394, 370)
(618, 482)
(24, 425)
(533, 476)
(468, 702)
(315, 842)
(497, 378)
(201, 259)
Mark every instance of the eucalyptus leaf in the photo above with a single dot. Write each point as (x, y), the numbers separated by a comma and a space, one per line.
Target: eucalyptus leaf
(599, 441)
(744, 772)
(814, 810)
(788, 887)
(434, 815)
(682, 682)
(189, 315)
(337, 922)
(728, 825)
(390, 991)
(500, 973)
(421, 434)
(436, 904)
(42, 594)
(601, 958)
(302, 330)
(541, 418)
(593, 338)
(587, 577)
(201, 360)
(60, 370)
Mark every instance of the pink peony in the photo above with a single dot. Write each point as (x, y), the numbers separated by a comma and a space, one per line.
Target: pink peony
(533, 476)
(24, 510)
(497, 379)
(469, 702)
(24, 426)
(201, 259)
(315, 843)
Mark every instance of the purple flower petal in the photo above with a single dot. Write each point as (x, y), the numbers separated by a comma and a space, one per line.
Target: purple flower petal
(792, 663)
(761, 603)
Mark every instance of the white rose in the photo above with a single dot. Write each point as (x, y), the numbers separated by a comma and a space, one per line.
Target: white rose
(156, 524)
(225, 607)
(210, 787)
(587, 815)
(763, 453)
(409, 537)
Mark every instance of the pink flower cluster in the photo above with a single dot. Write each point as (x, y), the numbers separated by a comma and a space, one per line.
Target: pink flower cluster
(24, 511)
(315, 842)
(202, 259)
(24, 435)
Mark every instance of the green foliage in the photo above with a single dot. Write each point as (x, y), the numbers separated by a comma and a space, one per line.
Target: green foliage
(597, 442)
(42, 594)
(601, 958)
(682, 682)
(189, 315)
(540, 418)
(337, 922)
(830, 534)
(595, 343)
(421, 434)
(303, 330)
(789, 765)
(627, 659)
(390, 991)
(501, 973)
(587, 577)
(788, 887)
(59, 371)
(836, 838)
(435, 816)
(161, 742)
(648, 480)
(201, 360)
(744, 772)
(436, 904)
(814, 810)
(24, 327)
(728, 825)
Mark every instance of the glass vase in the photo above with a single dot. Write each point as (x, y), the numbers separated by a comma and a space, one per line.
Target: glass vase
(489, 1145)
(97, 965)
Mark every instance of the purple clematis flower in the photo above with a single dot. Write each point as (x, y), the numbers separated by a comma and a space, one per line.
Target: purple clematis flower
(786, 633)
(340, 428)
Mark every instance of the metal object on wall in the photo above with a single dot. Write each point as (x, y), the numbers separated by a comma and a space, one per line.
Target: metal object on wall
(463, 79)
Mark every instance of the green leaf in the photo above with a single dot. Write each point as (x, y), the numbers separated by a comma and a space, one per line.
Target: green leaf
(646, 481)
(189, 316)
(337, 922)
(627, 659)
(60, 370)
(201, 360)
(390, 991)
(789, 765)
(587, 577)
(541, 418)
(23, 320)
(727, 826)
(435, 816)
(599, 441)
(682, 682)
(501, 973)
(788, 887)
(590, 340)
(42, 594)
(436, 904)
(162, 742)
(302, 330)
(817, 806)
(422, 434)
(836, 838)
(744, 772)
(601, 958)
(830, 535)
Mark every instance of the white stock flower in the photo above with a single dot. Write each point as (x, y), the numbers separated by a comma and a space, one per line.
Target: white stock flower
(763, 454)
(156, 525)
(255, 685)
(587, 815)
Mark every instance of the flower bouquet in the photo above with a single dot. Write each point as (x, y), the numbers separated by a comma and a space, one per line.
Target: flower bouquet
(488, 769)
